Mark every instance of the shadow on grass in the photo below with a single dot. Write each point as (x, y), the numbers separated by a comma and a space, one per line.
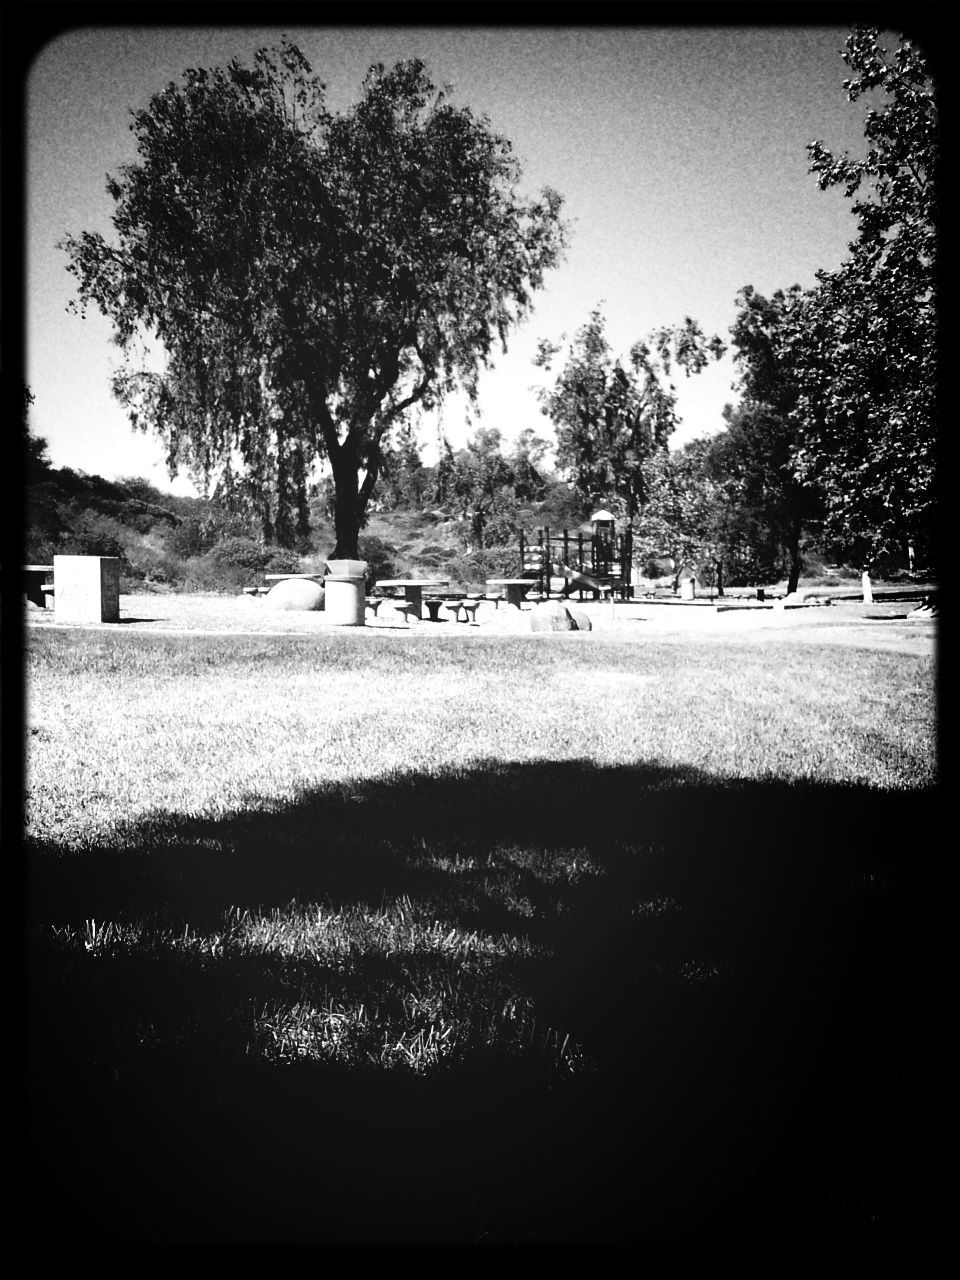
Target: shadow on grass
(734, 959)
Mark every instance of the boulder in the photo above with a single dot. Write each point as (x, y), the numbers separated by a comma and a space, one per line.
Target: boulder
(294, 593)
(583, 623)
(551, 615)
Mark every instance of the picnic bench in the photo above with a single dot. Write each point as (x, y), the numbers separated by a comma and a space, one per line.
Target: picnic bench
(413, 590)
(35, 585)
(514, 589)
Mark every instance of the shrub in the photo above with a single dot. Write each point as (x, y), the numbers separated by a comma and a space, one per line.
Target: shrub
(379, 556)
(239, 562)
(280, 560)
(470, 570)
(92, 534)
(148, 564)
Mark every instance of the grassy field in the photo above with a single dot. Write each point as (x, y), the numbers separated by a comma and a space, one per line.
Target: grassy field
(351, 938)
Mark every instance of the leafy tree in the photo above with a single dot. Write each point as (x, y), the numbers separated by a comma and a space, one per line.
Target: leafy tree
(757, 454)
(527, 465)
(481, 484)
(404, 478)
(310, 276)
(611, 419)
(684, 516)
(34, 447)
(863, 352)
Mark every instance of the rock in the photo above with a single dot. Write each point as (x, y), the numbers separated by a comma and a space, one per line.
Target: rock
(551, 615)
(582, 621)
(294, 593)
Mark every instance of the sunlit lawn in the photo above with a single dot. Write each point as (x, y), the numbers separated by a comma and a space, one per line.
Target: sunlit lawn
(335, 938)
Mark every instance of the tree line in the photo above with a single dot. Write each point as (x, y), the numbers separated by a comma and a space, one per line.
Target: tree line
(317, 279)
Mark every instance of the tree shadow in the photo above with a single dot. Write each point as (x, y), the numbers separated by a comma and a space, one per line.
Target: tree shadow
(734, 957)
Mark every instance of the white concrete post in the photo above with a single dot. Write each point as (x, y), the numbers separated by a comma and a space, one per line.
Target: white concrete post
(86, 588)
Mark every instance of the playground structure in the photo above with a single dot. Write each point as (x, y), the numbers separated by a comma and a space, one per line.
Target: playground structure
(599, 562)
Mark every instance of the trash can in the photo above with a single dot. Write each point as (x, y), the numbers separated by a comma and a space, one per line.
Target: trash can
(687, 589)
(344, 599)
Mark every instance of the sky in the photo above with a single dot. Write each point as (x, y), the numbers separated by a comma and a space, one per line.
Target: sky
(680, 153)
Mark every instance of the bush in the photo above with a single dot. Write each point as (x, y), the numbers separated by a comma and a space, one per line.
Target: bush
(379, 556)
(150, 564)
(471, 570)
(280, 560)
(92, 534)
(237, 562)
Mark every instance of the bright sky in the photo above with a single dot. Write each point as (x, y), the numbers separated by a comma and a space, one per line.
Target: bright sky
(680, 152)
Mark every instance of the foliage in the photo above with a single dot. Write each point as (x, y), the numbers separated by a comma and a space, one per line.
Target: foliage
(404, 480)
(238, 561)
(864, 353)
(561, 507)
(310, 276)
(612, 419)
(36, 458)
(91, 534)
(530, 477)
(379, 556)
(470, 570)
(679, 517)
(772, 505)
(480, 484)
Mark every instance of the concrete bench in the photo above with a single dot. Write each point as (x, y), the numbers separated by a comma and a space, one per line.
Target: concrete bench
(432, 607)
(34, 583)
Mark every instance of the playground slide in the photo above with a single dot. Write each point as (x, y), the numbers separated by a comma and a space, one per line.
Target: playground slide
(574, 578)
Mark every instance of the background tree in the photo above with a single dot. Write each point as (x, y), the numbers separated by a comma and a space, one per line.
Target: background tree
(757, 453)
(482, 486)
(405, 481)
(685, 513)
(527, 465)
(310, 277)
(864, 350)
(612, 418)
(36, 457)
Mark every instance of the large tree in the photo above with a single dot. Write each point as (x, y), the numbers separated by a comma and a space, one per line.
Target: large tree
(309, 277)
(756, 456)
(683, 512)
(864, 351)
(612, 416)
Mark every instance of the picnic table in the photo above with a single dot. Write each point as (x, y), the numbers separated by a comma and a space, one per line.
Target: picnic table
(413, 590)
(34, 580)
(514, 589)
(282, 577)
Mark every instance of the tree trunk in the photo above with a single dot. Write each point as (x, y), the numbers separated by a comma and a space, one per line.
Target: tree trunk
(719, 577)
(347, 512)
(796, 559)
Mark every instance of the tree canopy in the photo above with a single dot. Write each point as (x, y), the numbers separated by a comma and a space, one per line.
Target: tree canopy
(862, 349)
(310, 277)
(611, 417)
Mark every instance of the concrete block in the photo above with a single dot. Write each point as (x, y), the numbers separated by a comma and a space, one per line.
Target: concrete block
(87, 588)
